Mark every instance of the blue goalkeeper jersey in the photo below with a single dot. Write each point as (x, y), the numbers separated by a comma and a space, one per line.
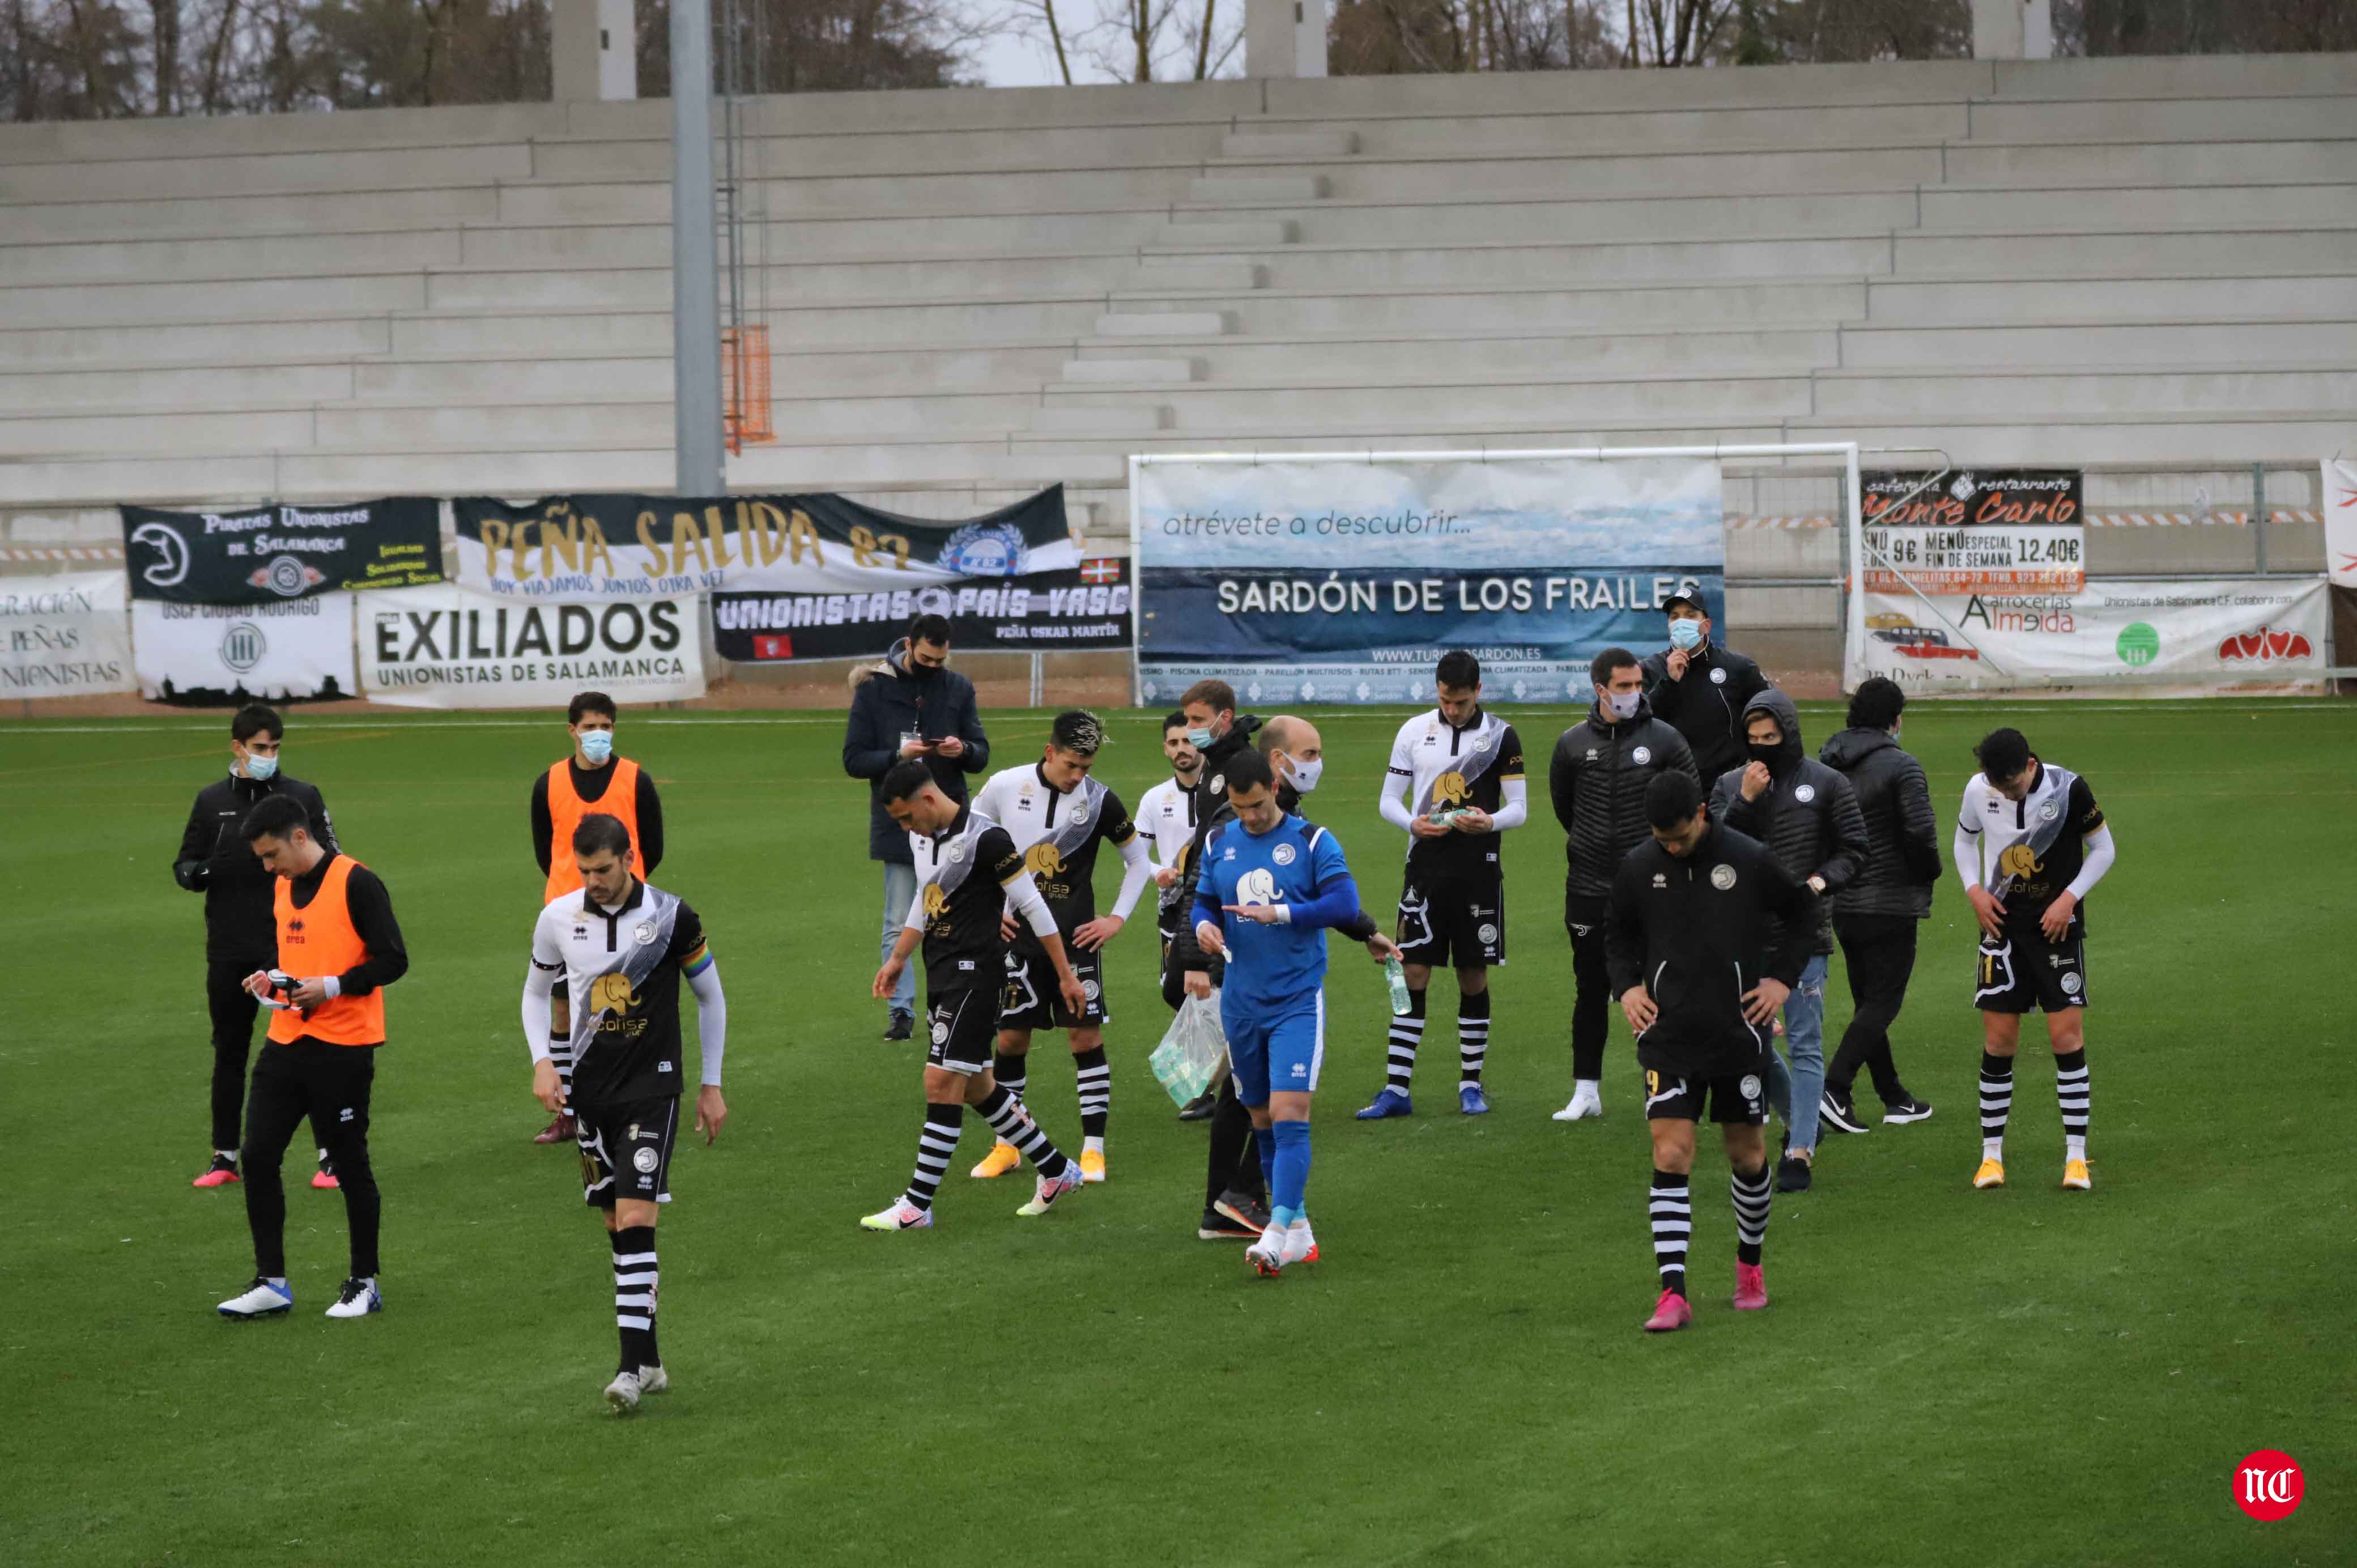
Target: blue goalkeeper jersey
(1295, 864)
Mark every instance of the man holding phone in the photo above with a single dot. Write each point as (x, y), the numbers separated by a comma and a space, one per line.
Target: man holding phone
(909, 705)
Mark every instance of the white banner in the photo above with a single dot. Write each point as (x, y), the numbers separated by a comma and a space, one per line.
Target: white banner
(64, 636)
(452, 647)
(297, 648)
(2241, 633)
(2341, 522)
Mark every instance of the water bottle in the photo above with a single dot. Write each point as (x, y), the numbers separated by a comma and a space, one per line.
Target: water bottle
(1396, 976)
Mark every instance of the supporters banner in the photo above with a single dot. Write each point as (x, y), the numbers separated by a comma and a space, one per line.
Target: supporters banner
(212, 655)
(65, 636)
(1344, 582)
(1087, 608)
(1976, 531)
(266, 555)
(450, 648)
(2245, 633)
(2341, 525)
(595, 548)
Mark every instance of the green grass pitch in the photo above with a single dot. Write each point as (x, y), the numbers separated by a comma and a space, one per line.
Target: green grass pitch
(1945, 1377)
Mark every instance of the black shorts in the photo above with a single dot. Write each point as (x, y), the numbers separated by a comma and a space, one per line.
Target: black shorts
(1031, 1000)
(1455, 918)
(2022, 969)
(1733, 1099)
(962, 1027)
(626, 1150)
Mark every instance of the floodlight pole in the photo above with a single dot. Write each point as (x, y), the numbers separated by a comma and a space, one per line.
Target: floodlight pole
(694, 269)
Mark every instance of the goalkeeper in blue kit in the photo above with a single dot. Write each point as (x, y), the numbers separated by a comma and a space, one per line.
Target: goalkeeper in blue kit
(1271, 884)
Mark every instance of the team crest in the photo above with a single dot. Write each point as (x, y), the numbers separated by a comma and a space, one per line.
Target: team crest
(985, 549)
(2071, 983)
(954, 854)
(2049, 811)
(1092, 990)
(646, 1160)
(1486, 932)
(1749, 1087)
(1480, 743)
(1805, 793)
(1718, 677)
(644, 934)
(941, 1033)
(1218, 783)
(1282, 854)
(1722, 876)
(1643, 755)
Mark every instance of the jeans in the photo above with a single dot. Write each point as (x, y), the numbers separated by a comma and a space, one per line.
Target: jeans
(1796, 1093)
(900, 892)
(1878, 952)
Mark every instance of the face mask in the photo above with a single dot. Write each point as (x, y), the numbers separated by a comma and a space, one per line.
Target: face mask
(1201, 739)
(1304, 774)
(1766, 753)
(1623, 704)
(598, 744)
(1685, 634)
(261, 768)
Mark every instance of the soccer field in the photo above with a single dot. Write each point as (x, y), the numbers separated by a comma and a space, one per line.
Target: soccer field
(1944, 1375)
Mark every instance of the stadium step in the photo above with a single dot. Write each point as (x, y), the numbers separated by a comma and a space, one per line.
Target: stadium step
(1237, 235)
(1192, 275)
(1250, 189)
(1136, 419)
(1134, 372)
(1304, 145)
(1161, 324)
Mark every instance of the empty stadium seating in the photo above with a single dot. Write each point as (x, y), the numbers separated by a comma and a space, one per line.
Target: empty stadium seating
(973, 293)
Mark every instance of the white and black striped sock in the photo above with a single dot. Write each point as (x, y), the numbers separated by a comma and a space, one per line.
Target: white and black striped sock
(1996, 1104)
(1751, 1194)
(560, 1051)
(935, 1144)
(1472, 1038)
(1014, 1125)
(1407, 1034)
(1097, 1090)
(635, 1279)
(2071, 1096)
(1673, 1212)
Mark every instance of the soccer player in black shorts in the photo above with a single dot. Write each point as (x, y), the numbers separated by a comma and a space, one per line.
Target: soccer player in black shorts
(2030, 844)
(1705, 937)
(1462, 768)
(956, 914)
(1058, 815)
(624, 947)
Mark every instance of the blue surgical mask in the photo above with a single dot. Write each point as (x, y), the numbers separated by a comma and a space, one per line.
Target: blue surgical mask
(1201, 739)
(261, 769)
(598, 746)
(1687, 634)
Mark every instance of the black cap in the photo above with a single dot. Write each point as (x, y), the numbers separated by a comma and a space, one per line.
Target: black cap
(1691, 601)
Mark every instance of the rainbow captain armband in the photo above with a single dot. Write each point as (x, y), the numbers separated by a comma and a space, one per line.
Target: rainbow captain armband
(696, 962)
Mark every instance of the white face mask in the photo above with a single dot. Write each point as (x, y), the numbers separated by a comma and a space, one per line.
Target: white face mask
(1304, 774)
(1623, 704)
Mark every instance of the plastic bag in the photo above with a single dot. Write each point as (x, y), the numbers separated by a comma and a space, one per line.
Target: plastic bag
(1188, 1057)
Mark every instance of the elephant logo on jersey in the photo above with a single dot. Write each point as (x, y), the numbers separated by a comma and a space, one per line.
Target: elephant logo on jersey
(2019, 860)
(1449, 790)
(1258, 886)
(612, 994)
(1044, 859)
(936, 901)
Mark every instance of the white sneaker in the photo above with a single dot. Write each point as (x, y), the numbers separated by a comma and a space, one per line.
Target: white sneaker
(654, 1380)
(902, 1215)
(1045, 1194)
(261, 1299)
(622, 1393)
(1585, 1101)
(357, 1299)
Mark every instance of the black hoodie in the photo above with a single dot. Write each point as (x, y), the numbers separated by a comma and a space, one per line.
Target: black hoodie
(1807, 816)
(1902, 834)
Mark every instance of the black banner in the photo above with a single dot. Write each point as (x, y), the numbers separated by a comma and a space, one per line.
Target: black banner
(1042, 612)
(268, 553)
(585, 547)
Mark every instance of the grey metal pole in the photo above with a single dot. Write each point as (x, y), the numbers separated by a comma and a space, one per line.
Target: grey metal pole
(695, 282)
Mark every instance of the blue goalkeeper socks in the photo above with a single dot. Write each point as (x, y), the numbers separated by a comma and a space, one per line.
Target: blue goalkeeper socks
(1265, 1141)
(1290, 1174)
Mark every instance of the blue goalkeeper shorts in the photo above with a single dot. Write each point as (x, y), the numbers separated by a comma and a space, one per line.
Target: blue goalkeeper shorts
(1279, 1047)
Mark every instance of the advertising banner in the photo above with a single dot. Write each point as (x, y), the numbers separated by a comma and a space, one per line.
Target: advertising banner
(1087, 608)
(449, 648)
(1344, 582)
(269, 553)
(1976, 531)
(214, 655)
(2252, 632)
(594, 548)
(65, 636)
